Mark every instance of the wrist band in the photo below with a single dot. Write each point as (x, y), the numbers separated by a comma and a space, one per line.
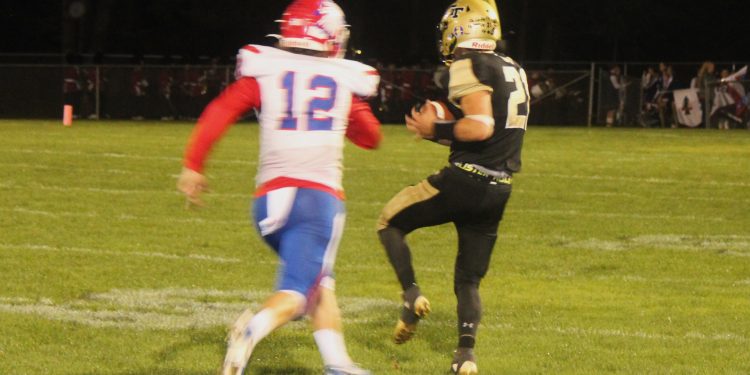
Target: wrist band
(444, 130)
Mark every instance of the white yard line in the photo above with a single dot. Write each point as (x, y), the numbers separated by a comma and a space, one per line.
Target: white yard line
(168, 309)
(83, 250)
(619, 194)
(644, 335)
(733, 245)
(730, 199)
(46, 167)
(119, 191)
(25, 211)
(666, 280)
(630, 179)
(614, 332)
(123, 217)
(121, 156)
(617, 215)
(179, 308)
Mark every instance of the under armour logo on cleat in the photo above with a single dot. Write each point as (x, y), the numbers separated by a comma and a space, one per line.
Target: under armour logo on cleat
(467, 324)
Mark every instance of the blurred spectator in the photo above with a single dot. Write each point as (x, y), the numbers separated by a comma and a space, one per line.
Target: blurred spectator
(377, 102)
(705, 82)
(729, 102)
(664, 97)
(214, 80)
(138, 89)
(657, 97)
(396, 102)
(72, 88)
(88, 102)
(425, 87)
(165, 106)
(613, 96)
(648, 84)
(537, 85)
(553, 100)
(387, 94)
(192, 88)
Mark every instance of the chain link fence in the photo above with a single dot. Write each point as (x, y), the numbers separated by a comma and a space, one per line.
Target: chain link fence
(572, 94)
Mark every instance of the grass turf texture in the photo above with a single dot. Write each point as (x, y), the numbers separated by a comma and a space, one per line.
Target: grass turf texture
(622, 251)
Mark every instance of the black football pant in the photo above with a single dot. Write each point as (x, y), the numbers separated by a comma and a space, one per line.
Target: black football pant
(475, 206)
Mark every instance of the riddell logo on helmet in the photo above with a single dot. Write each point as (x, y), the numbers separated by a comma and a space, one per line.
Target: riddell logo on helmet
(482, 45)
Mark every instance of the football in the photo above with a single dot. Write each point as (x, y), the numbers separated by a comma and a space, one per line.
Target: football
(441, 110)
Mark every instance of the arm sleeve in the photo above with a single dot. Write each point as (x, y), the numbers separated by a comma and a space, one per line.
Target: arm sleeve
(218, 116)
(465, 79)
(364, 128)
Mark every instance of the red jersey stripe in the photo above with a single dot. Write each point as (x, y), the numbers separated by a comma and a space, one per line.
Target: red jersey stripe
(282, 182)
(252, 49)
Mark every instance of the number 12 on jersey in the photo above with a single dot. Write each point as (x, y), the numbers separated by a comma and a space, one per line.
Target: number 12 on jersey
(316, 110)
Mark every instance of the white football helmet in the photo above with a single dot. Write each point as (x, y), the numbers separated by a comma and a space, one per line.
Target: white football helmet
(317, 25)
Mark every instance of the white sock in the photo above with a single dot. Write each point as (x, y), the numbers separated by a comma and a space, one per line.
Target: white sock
(332, 348)
(260, 325)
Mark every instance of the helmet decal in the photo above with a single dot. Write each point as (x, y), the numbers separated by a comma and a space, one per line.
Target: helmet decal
(472, 24)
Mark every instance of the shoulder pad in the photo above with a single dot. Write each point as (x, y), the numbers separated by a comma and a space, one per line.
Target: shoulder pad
(471, 73)
(255, 61)
(363, 79)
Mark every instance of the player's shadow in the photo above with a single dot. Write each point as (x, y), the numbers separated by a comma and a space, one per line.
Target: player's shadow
(283, 371)
(290, 369)
(172, 352)
(156, 372)
(429, 337)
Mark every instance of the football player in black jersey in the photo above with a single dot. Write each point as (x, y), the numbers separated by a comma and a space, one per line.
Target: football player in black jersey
(490, 99)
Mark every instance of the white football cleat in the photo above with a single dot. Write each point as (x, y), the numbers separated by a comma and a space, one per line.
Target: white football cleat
(239, 346)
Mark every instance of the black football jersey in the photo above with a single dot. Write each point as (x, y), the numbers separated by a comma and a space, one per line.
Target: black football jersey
(506, 80)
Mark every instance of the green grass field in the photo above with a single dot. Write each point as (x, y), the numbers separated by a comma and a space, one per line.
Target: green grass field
(623, 251)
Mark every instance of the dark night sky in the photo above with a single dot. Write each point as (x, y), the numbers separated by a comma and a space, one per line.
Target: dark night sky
(395, 31)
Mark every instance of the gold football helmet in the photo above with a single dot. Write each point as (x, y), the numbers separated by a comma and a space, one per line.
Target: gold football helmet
(473, 24)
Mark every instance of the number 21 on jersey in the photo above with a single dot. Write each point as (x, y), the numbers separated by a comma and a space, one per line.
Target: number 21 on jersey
(518, 100)
(317, 95)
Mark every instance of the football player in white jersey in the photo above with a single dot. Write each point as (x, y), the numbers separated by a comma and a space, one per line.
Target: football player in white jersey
(308, 99)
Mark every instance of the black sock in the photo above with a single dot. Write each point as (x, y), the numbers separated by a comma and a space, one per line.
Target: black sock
(399, 255)
(469, 314)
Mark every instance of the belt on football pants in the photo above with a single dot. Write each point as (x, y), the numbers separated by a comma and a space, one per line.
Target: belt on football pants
(484, 174)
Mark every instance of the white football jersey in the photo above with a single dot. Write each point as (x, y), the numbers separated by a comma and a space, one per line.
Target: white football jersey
(305, 103)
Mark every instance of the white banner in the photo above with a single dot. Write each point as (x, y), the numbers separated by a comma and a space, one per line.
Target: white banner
(736, 76)
(688, 107)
